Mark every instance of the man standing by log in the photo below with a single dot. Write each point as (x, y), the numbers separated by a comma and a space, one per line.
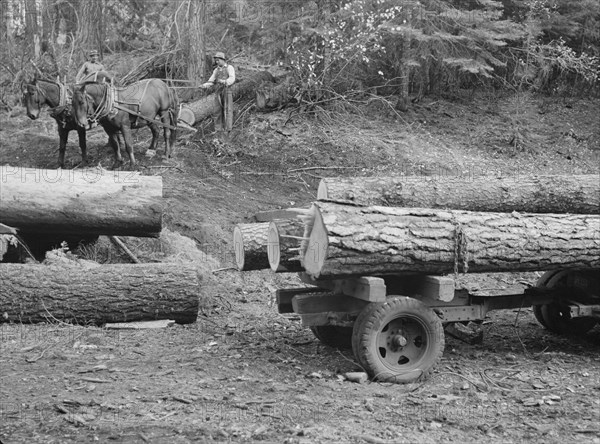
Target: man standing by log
(89, 67)
(223, 76)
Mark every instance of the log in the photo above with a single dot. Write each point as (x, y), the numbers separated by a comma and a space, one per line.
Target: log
(206, 106)
(284, 240)
(347, 240)
(535, 194)
(272, 97)
(250, 246)
(88, 202)
(96, 294)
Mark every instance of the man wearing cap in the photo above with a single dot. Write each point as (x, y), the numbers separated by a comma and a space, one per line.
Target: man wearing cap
(224, 75)
(89, 67)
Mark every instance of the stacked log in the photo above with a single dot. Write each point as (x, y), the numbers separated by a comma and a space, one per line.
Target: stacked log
(382, 226)
(285, 239)
(84, 203)
(348, 240)
(264, 245)
(533, 194)
(96, 294)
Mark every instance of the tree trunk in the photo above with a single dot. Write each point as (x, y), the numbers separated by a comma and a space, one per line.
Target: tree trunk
(250, 246)
(284, 240)
(32, 28)
(347, 240)
(88, 202)
(91, 26)
(534, 194)
(206, 107)
(404, 72)
(98, 293)
(195, 47)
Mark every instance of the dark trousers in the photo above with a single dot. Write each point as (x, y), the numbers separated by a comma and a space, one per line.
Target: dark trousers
(224, 119)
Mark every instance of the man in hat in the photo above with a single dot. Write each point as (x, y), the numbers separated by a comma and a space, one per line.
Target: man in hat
(89, 67)
(223, 76)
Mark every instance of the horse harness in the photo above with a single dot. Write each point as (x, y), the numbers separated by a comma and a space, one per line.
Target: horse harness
(60, 112)
(110, 106)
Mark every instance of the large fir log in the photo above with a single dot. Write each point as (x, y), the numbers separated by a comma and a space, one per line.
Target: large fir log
(87, 202)
(347, 240)
(250, 246)
(283, 245)
(534, 194)
(97, 294)
(207, 107)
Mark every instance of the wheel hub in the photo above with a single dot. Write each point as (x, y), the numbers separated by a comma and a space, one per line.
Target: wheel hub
(399, 340)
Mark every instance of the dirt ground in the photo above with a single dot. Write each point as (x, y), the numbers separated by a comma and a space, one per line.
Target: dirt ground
(244, 373)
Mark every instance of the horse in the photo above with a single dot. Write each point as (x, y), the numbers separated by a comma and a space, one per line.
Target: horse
(121, 109)
(56, 96)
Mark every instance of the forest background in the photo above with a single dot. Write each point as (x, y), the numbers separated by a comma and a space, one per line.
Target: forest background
(340, 48)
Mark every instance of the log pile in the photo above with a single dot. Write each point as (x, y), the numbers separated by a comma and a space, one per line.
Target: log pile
(54, 205)
(407, 225)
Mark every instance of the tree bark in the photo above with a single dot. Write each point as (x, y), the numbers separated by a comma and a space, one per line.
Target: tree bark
(284, 240)
(206, 106)
(534, 194)
(250, 246)
(195, 44)
(347, 240)
(91, 26)
(99, 293)
(88, 202)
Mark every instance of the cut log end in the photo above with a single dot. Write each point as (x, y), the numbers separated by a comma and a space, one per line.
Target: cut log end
(313, 252)
(250, 246)
(238, 248)
(322, 191)
(273, 249)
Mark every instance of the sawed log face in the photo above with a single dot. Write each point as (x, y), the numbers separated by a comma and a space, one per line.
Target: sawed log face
(534, 194)
(348, 240)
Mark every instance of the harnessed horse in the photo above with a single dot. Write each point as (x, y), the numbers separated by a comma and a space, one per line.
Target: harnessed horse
(56, 96)
(121, 109)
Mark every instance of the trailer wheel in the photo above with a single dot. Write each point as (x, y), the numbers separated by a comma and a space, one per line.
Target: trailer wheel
(333, 335)
(552, 316)
(537, 312)
(557, 321)
(400, 340)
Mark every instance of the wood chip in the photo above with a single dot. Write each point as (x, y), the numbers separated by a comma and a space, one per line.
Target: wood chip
(141, 325)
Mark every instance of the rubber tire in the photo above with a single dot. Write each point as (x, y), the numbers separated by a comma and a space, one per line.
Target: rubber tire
(557, 323)
(333, 335)
(537, 312)
(373, 320)
(550, 316)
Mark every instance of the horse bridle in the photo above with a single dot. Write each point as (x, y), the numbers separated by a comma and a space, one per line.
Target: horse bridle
(62, 95)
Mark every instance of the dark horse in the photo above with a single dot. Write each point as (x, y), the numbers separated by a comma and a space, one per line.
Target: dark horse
(57, 96)
(121, 109)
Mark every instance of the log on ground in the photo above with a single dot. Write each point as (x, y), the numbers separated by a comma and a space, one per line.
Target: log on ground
(207, 107)
(90, 202)
(347, 240)
(534, 194)
(250, 246)
(284, 242)
(96, 294)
